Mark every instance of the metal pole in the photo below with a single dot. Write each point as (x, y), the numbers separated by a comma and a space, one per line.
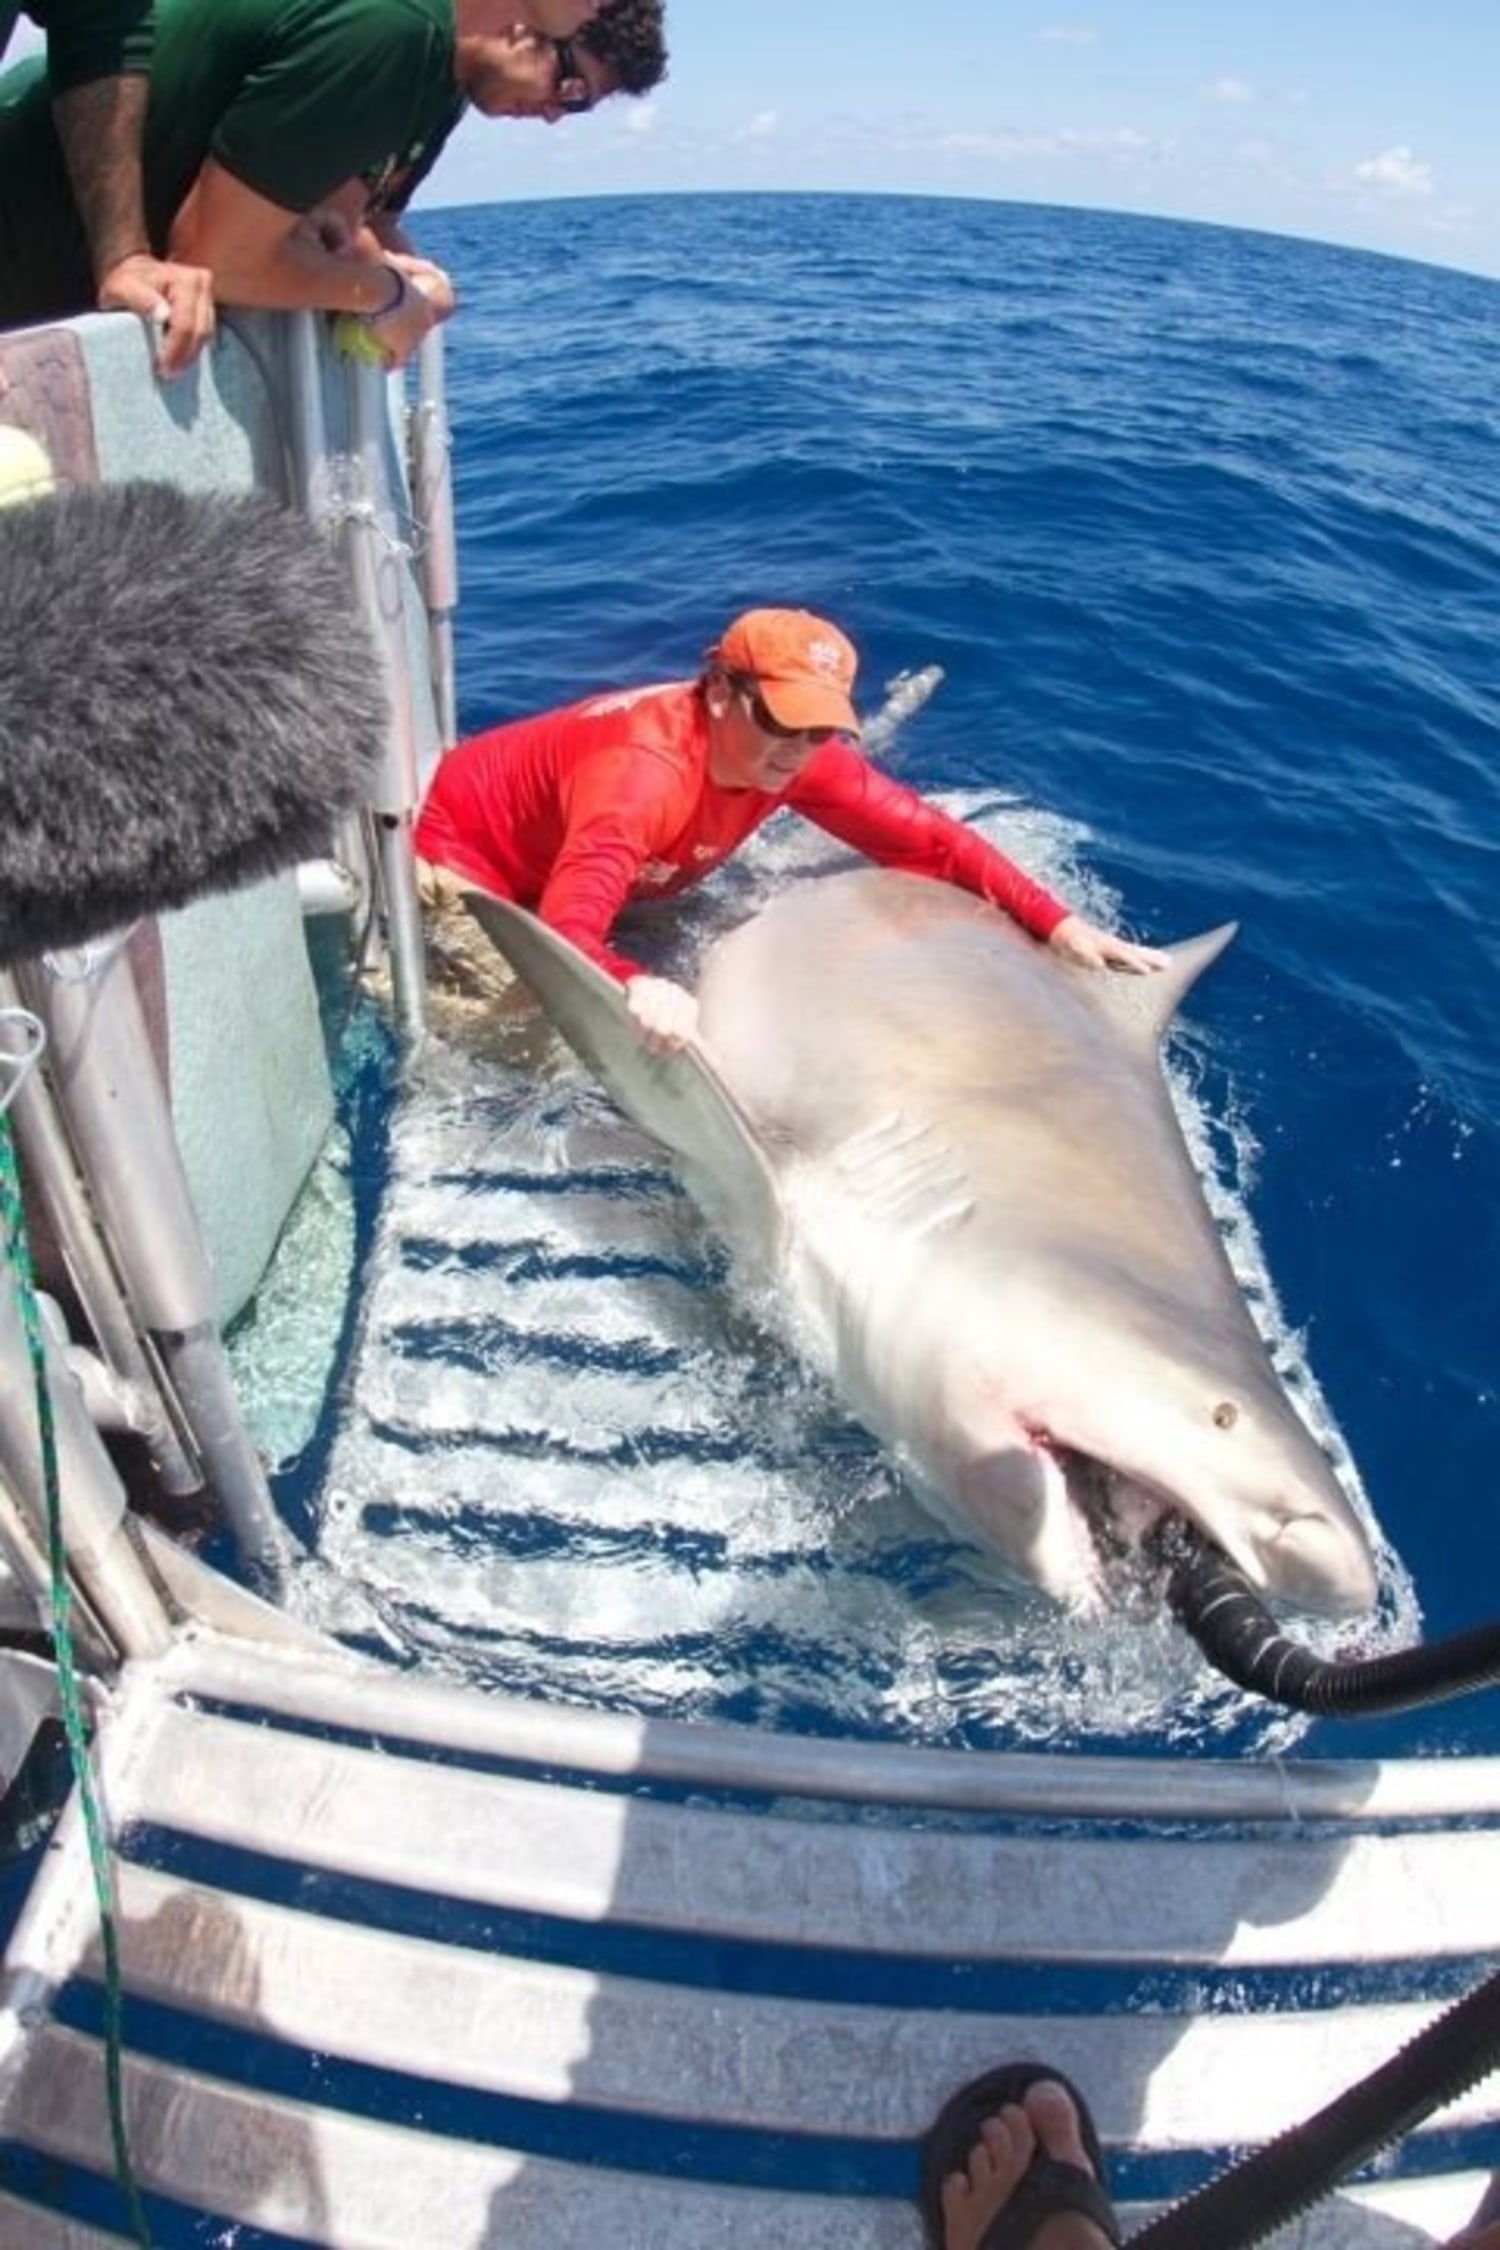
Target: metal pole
(308, 421)
(431, 447)
(54, 1177)
(96, 1539)
(319, 492)
(377, 563)
(355, 502)
(120, 1123)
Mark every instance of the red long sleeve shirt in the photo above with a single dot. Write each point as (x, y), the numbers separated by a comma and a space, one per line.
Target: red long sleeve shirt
(581, 810)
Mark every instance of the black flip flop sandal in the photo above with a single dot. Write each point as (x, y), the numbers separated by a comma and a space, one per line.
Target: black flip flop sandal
(1048, 2185)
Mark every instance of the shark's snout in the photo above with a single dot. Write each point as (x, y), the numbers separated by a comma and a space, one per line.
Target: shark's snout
(1263, 1489)
(1320, 1565)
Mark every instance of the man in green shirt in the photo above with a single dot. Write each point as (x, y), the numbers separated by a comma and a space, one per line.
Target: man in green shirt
(265, 114)
(98, 57)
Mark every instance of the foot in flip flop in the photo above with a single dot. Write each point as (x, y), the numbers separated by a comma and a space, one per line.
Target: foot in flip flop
(1013, 2163)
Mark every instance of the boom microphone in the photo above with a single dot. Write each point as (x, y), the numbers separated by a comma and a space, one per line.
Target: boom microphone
(188, 697)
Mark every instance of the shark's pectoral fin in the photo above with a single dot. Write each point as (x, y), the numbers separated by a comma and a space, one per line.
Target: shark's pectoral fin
(679, 1097)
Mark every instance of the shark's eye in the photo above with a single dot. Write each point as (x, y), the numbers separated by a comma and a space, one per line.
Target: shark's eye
(1226, 1414)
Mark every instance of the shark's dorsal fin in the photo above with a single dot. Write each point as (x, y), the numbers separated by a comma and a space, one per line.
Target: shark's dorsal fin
(1142, 1007)
(679, 1097)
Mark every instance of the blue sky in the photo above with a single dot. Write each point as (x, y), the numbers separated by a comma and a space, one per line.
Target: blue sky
(1370, 122)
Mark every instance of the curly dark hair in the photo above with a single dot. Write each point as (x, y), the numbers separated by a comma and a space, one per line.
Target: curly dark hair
(627, 37)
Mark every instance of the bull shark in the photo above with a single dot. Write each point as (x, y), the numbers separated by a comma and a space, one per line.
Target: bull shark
(956, 1158)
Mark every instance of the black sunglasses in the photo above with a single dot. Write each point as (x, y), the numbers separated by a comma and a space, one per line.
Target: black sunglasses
(572, 89)
(762, 717)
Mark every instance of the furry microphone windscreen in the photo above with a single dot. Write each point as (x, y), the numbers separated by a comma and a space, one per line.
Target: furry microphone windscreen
(188, 697)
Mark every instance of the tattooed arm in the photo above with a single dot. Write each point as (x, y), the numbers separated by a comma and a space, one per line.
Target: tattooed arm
(99, 125)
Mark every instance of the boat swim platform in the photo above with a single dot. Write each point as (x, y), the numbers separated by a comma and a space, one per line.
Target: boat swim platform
(410, 1968)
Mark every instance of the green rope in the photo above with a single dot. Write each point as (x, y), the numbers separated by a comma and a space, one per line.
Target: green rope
(13, 1224)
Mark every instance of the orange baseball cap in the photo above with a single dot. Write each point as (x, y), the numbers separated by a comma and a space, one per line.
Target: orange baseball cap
(803, 666)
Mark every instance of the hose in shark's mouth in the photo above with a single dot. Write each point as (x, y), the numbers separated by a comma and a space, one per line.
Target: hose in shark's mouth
(1217, 1605)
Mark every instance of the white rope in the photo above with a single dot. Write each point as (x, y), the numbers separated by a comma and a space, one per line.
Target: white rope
(80, 964)
(23, 1036)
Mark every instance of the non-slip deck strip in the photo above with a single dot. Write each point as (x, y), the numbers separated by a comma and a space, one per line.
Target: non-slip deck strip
(636, 2083)
(345, 2183)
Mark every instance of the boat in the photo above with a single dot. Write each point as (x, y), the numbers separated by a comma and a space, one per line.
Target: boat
(322, 1951)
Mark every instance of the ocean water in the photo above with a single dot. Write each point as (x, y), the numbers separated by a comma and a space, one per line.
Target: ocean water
(1203, 529)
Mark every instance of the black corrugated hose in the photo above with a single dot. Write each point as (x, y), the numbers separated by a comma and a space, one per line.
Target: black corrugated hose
(1305, 2164)
(1241, 1639)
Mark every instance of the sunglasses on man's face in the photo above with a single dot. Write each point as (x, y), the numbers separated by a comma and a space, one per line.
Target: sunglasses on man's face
(571, 91)
(765, 722)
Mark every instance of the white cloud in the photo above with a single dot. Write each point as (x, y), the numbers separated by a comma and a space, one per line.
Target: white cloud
(1069, 35)
(642, 117)
(1397, 172)
(1228, 90)
(1124, 141)
(762, 127)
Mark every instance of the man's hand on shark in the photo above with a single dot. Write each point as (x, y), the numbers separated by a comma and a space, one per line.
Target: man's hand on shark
(1092, 948)
(665, 1015)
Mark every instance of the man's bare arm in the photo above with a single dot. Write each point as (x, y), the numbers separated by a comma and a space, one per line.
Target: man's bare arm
(264, 255)
(99, 125)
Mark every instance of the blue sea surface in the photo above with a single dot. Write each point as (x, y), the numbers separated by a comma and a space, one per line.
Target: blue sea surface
(1204, 529)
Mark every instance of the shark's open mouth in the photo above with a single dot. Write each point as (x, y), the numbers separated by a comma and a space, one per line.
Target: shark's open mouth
(1120, 1514)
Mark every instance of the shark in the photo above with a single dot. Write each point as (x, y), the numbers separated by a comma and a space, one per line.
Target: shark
(956, 1159)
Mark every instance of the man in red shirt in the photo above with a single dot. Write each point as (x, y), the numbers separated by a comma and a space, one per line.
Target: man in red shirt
(640, 794)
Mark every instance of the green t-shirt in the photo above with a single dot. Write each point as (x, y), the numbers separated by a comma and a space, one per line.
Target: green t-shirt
(87, 39)
(294, 97)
